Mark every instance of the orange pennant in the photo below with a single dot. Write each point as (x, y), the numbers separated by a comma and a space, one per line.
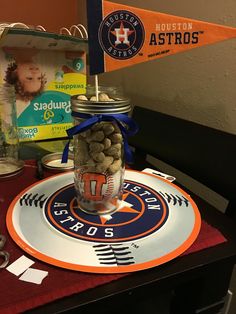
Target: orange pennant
(121, 36)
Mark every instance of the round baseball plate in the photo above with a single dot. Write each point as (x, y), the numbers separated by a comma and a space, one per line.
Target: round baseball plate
(156, 222)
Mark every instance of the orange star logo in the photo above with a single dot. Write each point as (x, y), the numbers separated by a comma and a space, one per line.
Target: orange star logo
(122, 34)
(124, 209)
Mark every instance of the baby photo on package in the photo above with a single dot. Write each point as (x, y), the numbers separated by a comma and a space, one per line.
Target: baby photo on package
(44, 81)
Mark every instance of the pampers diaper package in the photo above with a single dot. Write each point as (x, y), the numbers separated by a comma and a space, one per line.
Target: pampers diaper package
(46, 70)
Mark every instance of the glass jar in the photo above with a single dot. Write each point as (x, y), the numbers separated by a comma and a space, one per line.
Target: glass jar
(99, 149)
(9, 143)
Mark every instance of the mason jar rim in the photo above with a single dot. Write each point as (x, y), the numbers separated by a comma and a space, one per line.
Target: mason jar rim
(100, 107)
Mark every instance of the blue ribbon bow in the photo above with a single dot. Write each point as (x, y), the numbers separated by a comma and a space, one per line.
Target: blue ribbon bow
(120, 119)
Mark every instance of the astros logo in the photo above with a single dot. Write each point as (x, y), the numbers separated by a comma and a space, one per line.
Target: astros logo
(99, 179)
(121, 34)
(143, 211)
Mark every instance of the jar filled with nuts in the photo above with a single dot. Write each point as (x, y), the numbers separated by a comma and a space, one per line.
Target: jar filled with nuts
(100, 149)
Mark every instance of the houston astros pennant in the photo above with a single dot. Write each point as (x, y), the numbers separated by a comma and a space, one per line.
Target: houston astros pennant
(121, 36)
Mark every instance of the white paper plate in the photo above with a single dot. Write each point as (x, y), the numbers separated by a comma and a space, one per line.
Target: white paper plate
(156, 222)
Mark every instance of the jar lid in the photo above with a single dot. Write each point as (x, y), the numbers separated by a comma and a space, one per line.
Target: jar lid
(10, 167)
(53, 162)
(115, 106)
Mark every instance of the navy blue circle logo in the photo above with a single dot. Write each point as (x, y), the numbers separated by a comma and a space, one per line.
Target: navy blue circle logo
(143, 211)
(121, 34)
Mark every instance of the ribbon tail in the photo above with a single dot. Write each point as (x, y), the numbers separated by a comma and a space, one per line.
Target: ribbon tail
(65, 153)
(132, 125)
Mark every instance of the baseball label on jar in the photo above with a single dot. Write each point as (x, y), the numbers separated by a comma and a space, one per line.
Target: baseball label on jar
(99, 186)
(99, 192)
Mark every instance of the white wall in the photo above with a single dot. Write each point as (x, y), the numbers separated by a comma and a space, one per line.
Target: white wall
(200, 84)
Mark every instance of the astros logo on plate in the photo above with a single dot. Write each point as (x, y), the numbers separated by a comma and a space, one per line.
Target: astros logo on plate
(142, 212)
